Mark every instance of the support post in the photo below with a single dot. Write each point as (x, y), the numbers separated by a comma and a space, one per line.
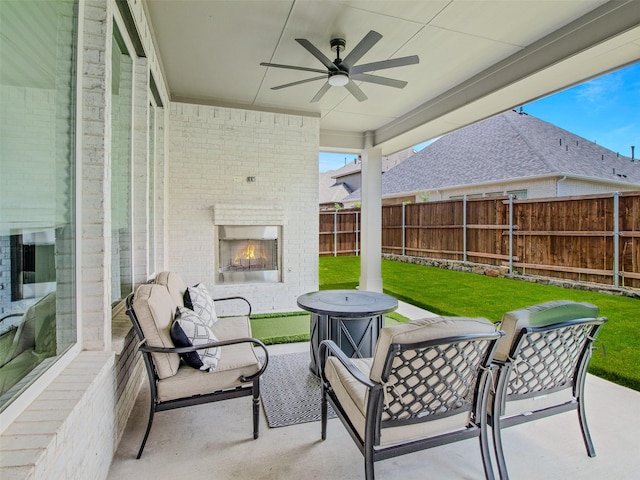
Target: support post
(616, 239)
(371, 241)
(511, 233)
(335, 233)
(464, 229)
(403, 229)
(357, 233)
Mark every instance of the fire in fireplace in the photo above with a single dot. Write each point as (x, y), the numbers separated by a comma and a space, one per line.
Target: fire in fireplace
(248, 254)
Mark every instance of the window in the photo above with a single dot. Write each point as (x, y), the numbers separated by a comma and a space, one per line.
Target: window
(494, 194)
(518, 193)
(121, 122)
(37, 189)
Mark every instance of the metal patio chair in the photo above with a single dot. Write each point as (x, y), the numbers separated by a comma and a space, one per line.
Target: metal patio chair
(174, 384)
(427, 385)
(541, 367)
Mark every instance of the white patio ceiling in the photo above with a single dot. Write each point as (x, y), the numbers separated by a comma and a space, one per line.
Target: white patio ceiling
(477, 58)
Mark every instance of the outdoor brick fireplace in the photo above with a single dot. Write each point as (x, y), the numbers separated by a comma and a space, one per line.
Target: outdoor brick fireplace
(293, 217)
(249, 254)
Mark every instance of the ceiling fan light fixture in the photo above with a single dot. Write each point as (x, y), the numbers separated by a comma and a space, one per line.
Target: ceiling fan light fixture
(338, 79)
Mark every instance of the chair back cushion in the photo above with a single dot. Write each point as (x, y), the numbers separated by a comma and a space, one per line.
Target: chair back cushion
(176, 286)
(37, 330)
(544, 314)
(425, 329)
(154, 309)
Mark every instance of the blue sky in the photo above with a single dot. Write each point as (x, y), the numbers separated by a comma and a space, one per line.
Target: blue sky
(605, 110)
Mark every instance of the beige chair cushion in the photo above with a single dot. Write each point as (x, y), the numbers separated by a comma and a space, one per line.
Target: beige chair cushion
(539, 315)
(176, 286)
(230, 328)
(155, 310)
(236, 360)
(353, 397)
(424, 329)
(37, 330)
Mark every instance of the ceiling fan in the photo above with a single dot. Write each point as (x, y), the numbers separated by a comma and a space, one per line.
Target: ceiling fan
(343, 72)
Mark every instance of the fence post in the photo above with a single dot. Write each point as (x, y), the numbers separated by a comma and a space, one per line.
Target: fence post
(403, 229)
(464, 229)
(335, 233)
(616, 239)
(357, 229)
(511, 233)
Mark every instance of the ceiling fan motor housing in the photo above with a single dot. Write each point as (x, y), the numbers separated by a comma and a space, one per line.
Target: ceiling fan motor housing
(338, 43)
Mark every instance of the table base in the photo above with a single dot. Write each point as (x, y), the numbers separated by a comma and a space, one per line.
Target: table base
(356, 337)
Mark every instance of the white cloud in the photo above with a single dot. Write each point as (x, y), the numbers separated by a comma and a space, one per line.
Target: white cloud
(600, 89)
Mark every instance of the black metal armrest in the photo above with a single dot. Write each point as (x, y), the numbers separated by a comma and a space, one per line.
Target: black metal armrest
(224, 299)
(329, 346)
(11, 315)
(147, 348)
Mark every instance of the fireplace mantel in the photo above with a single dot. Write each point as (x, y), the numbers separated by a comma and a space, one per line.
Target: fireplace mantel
(245, 214)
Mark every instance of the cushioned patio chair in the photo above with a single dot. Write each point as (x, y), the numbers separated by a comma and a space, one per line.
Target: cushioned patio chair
(542, 366)
(173, 383)
(26, 345)
(427, 385)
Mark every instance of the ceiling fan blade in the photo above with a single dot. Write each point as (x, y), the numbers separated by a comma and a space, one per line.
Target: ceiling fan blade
(316, 53)
(355, 91)
(324, 89)
(369, 40)
(394, 62)
(300, 82)
(293, 67)
(389, 82)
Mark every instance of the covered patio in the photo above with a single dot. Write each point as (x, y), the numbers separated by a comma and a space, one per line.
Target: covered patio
(152, 128)
(214, 440)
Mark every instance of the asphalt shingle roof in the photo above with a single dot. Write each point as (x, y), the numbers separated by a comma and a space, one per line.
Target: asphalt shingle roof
(507, 146)
(330, 191)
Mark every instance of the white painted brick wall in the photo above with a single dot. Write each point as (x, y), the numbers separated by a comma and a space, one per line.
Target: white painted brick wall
(71, 430)
(208, 148)
(94, 192)
(140, 168)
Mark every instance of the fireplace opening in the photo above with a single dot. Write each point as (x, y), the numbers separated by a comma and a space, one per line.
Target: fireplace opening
(248, 254)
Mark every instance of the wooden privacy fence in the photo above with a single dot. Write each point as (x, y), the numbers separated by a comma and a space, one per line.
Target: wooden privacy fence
(593, 238)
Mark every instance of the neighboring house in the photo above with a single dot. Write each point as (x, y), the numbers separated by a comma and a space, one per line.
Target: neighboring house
(332, 192)
(510, 153)
(335, 185)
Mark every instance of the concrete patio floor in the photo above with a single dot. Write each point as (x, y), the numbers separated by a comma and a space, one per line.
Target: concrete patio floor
(215, 441)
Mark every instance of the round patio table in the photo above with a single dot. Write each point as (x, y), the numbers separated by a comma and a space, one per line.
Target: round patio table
(351, 318)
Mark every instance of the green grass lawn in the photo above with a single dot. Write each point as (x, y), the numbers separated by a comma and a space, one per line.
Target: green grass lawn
(447, 292)
(294, 327)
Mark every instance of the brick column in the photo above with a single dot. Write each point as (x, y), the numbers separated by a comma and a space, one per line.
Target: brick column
(94, 217)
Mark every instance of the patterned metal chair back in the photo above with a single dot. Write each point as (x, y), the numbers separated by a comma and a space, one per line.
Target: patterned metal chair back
(433, 380)
(548, 358)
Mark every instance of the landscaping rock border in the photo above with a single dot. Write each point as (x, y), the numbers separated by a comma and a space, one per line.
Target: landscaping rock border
(503, 271)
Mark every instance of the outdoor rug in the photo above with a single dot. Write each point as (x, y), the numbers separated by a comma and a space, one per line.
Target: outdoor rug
(290, 392)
